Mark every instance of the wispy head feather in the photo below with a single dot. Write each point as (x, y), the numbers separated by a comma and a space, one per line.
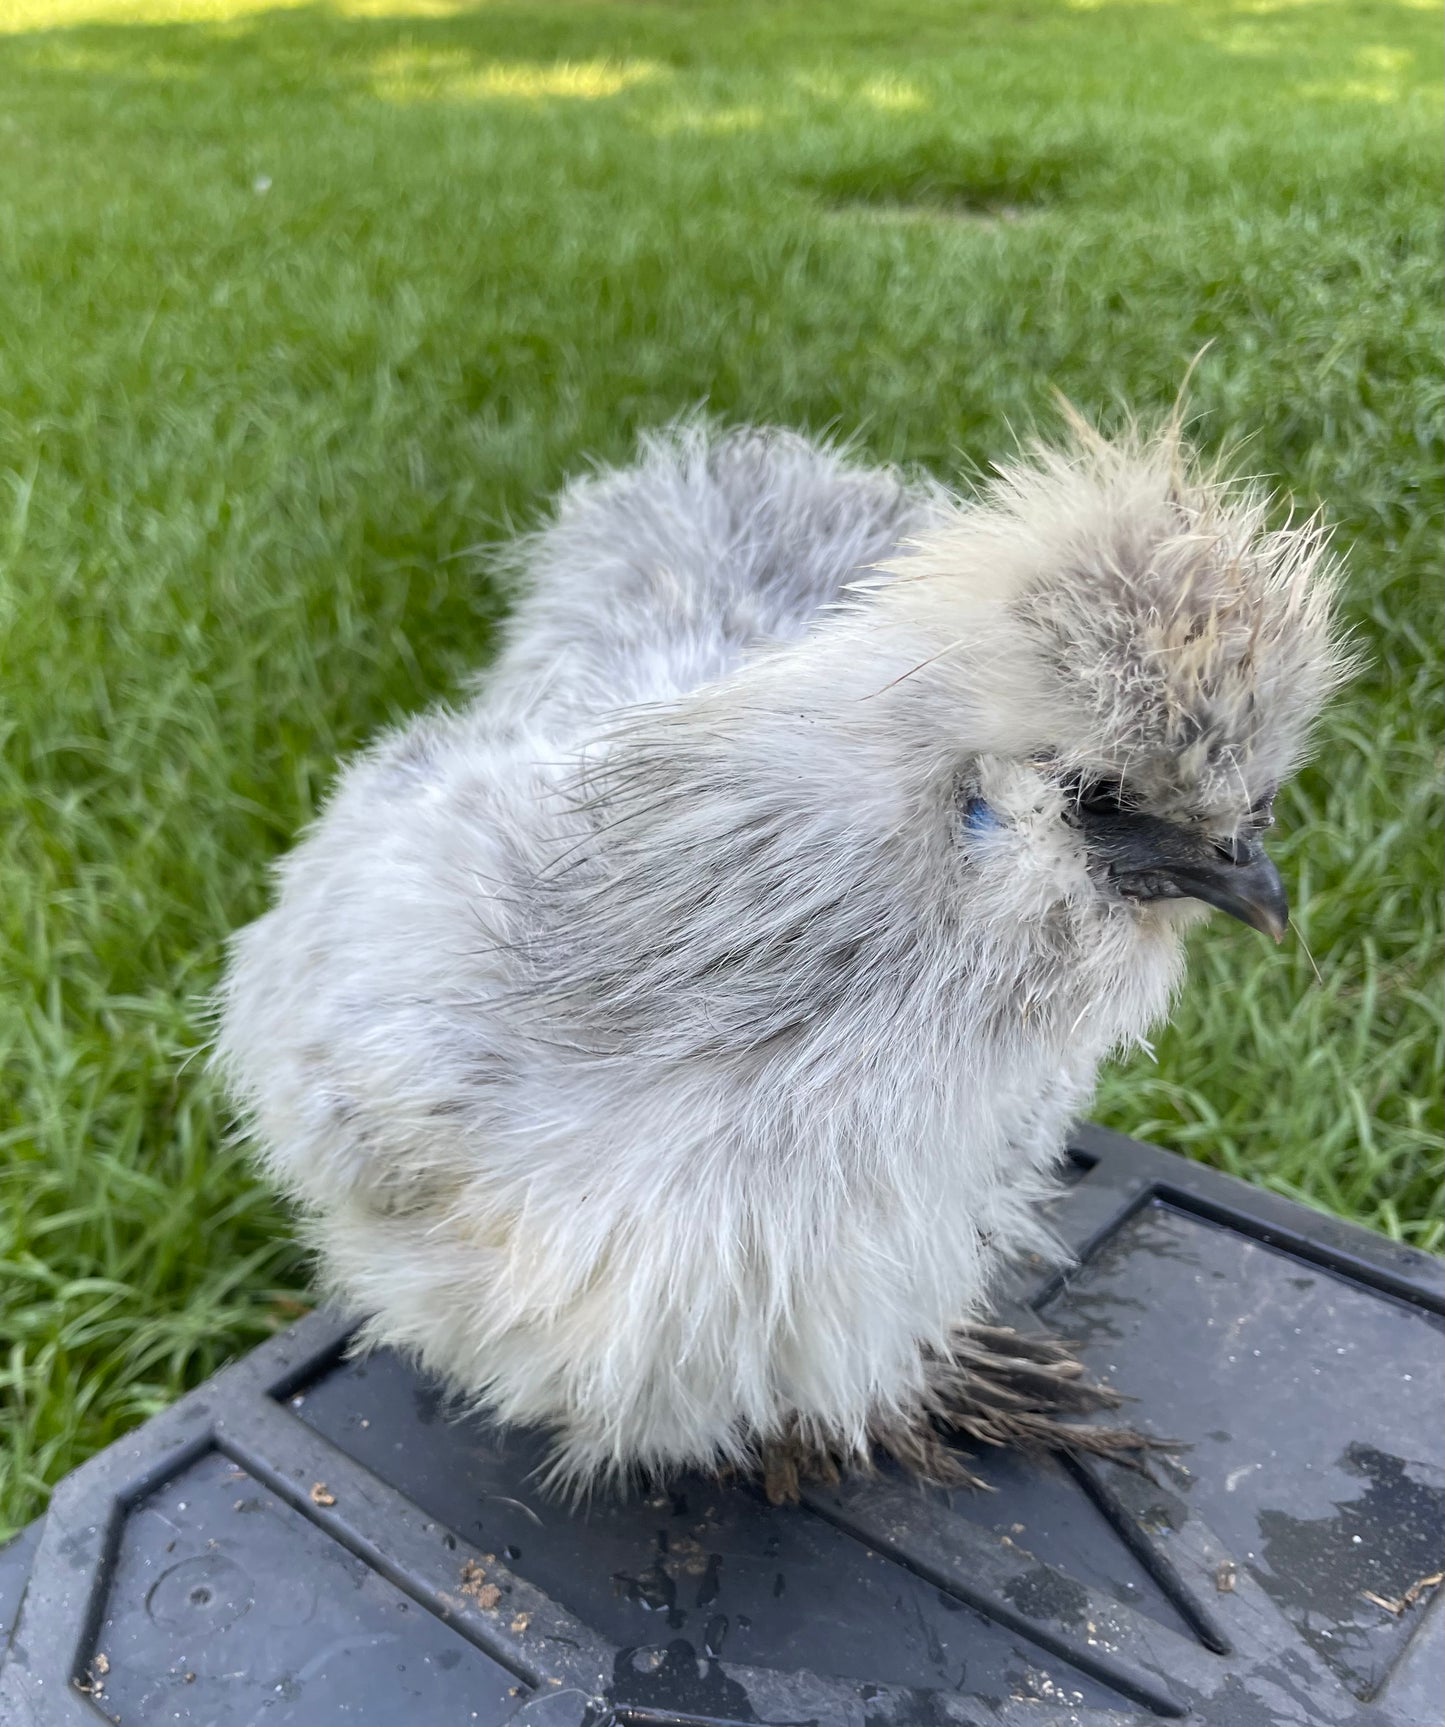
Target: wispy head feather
(1184, 642)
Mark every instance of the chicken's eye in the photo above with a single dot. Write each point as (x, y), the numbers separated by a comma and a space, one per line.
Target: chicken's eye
(1097, 796)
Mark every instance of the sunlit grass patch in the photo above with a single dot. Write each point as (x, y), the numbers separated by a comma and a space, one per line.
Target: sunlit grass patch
(454, 74)
(27, 15)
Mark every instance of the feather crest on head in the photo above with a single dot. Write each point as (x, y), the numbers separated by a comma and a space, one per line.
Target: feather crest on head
(1181, 642)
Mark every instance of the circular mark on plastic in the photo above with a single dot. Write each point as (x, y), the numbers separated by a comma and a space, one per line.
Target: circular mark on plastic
(205, 1593)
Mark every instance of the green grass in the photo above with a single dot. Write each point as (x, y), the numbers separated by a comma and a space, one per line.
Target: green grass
(299, 306)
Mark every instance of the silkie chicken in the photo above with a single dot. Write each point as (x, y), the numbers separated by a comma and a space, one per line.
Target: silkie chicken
(671, 1046)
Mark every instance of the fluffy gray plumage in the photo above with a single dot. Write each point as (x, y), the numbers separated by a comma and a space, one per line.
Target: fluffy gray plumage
(670, 1046)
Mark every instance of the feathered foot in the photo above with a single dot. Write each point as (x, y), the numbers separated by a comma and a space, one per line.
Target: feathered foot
(995, 1386)
(998, 1386)
(792, 1459)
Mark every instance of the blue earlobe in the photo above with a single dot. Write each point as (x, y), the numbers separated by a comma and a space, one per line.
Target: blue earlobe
(978, 817)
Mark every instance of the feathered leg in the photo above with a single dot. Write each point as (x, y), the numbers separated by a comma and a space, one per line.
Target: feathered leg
(994, 1386)
(998, 1386)
(788, 1461)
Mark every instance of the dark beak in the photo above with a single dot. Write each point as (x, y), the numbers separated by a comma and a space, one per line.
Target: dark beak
(1151, 859)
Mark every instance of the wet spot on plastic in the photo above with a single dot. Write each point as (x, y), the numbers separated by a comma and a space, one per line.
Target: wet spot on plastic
(1165, 1513)
(676, 1679)
(912, 1708)
(1318, 1569)
(715, 1635)
(76, 1550)
(653, 1590)
(1099, 1313)
(1045, 1594)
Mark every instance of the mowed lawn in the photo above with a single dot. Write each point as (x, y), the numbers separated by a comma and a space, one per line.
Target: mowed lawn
(302, 306)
